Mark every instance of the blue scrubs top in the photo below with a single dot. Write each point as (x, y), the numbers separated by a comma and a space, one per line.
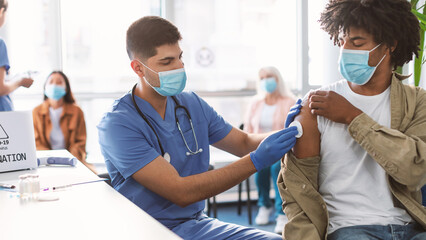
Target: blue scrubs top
(5, 101)
(128, 144)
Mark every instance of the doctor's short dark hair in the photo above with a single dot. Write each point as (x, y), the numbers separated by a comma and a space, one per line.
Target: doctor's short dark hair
(388, 21)
(148, 33)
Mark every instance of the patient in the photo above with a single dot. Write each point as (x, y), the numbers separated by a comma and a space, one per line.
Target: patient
(58, 121)
(357, 171)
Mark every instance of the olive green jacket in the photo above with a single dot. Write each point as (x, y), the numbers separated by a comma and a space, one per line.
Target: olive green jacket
(400, 150)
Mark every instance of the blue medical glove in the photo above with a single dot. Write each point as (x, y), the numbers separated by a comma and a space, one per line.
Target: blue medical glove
(272, 148)
(294, 111)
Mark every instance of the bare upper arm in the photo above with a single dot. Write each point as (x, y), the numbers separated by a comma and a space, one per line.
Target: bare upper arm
(309, 144)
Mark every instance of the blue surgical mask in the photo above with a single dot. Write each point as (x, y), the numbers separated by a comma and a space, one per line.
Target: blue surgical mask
(54, 92)
(268, 84)
(171, 82)
(353, 65)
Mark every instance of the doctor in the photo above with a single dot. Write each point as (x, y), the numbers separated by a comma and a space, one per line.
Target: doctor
(155, 141)
(7, 88)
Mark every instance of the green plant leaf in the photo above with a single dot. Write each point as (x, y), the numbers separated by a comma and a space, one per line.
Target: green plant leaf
(420, 60)
(423, 26)
(420, 16)
(414, 3)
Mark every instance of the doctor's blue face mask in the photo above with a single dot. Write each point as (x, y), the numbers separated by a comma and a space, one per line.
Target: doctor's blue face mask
(268, 84)
(353, 65)
(171, 82)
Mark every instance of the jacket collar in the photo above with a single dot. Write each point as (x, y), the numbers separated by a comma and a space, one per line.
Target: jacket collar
(399, 76)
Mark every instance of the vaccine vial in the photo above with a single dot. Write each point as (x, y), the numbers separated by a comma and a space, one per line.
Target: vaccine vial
(24, 186)
(35, 186)
(21, 185)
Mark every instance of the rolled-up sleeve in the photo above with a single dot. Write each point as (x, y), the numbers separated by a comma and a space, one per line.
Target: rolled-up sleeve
(302, 203)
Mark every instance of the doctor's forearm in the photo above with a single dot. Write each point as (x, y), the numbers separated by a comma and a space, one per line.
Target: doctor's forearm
(184, 191)
(205, 185)
(240, 143)
(7, 88)
(253, 141)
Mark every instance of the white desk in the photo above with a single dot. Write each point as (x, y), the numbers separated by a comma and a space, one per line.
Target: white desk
(89, 211)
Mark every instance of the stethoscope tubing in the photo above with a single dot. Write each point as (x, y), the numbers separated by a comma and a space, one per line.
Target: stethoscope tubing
(190, 152)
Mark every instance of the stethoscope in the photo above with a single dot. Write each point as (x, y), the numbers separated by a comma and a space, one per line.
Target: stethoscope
(165, 154)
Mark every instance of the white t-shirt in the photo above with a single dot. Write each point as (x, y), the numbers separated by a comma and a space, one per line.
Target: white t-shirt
(267, 117)
(57, 140)
(353, 184)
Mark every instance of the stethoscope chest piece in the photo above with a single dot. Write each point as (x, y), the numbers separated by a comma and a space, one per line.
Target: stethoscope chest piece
(167, 157)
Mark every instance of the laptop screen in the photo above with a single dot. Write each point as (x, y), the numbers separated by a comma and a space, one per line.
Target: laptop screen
(17, 143)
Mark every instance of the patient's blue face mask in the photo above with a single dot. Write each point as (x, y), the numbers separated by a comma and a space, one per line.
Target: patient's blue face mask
(353, 65)
(171, 82)
(268, 84)
(54, 92)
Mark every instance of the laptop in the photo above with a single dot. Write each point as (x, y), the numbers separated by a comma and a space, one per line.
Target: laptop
(17, 142)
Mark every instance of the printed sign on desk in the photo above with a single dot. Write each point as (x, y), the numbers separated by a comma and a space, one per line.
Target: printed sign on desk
(17, 144)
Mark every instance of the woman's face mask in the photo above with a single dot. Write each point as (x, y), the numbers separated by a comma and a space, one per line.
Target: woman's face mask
(171, 82)
(268, 84)
(54, 91)
(353, 65)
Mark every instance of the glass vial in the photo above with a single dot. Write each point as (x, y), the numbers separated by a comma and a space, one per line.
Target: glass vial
(35, 186)
(24, 186)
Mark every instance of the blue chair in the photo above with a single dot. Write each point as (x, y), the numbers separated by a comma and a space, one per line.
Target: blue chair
(424, 195)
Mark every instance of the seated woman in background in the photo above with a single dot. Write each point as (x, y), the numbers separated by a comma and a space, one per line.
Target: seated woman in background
(268, 113)
(58, 121)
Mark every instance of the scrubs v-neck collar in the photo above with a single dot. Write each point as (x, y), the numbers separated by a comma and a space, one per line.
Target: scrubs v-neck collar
(154, 116)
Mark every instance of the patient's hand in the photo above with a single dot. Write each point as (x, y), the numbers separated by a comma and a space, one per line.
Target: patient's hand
(333, 106)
